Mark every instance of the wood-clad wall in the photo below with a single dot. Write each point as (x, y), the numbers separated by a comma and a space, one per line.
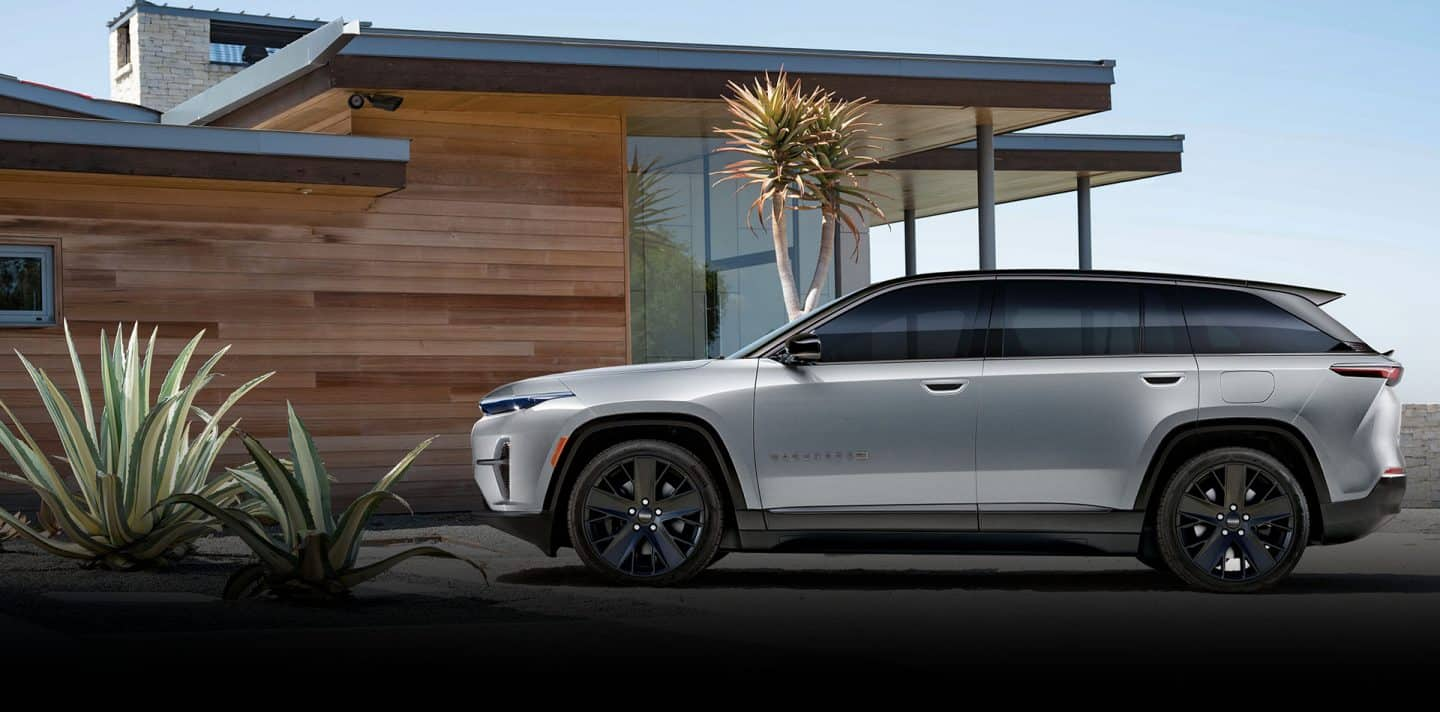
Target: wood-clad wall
(386, 318)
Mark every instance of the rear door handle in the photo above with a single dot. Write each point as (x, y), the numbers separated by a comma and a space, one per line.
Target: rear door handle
(944, 386)
(1162, 379)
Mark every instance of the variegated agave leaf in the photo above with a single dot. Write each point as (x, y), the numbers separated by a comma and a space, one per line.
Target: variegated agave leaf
(119, 460)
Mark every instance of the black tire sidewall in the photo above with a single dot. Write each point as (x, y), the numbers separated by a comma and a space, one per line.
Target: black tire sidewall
(678, 456)
(1168, 542)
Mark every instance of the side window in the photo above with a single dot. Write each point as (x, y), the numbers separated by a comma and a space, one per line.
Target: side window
(1068, 318)
(927, 321)
(1227, 321)
(27, 285)
(1162, 321)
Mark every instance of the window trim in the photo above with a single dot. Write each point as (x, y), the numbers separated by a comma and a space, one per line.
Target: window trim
(48, 249)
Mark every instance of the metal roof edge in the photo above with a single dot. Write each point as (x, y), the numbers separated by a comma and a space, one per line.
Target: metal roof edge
(162, 9)
(285, 65)
(1171, 143)
(33, 93)
(127, 134)
(627, 53)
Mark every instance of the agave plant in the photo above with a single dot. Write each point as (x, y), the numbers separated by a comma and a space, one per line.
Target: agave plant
(309, 555)
(138, 452)
(8, 532)
(837, 158)
(772, 129)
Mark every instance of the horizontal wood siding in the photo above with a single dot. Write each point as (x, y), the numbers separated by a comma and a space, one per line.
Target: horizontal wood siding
(386, 318)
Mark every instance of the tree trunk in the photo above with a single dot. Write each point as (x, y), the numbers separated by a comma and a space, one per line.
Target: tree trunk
(782, 258)
(823, 261)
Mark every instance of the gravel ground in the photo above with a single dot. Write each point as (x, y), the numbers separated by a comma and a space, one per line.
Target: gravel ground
(1376, 600)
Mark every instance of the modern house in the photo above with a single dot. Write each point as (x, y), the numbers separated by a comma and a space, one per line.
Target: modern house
(397, 221)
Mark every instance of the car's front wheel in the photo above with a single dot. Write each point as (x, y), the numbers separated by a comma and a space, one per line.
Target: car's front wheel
(646, 512)
(1232, 520)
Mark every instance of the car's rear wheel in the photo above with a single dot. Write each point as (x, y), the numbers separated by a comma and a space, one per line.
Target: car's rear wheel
(646, 512)
(1232, 520)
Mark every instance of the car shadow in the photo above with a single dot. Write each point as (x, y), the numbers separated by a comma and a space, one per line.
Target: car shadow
(978, 580)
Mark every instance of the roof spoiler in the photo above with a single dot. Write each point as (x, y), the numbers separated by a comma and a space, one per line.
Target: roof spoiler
(1318, 297)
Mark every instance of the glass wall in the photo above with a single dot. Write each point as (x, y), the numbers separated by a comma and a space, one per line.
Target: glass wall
(702, 264)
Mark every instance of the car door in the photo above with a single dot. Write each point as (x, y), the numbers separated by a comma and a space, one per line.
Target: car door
(886, 419)
(1078, 392)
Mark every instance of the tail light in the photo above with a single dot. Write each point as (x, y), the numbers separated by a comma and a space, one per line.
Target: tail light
(1391, 373)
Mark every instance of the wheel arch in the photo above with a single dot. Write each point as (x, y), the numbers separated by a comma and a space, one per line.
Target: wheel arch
(688, 431)
(1280, 439)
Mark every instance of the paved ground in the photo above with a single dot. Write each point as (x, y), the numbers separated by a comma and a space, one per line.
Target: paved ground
(1372, 601)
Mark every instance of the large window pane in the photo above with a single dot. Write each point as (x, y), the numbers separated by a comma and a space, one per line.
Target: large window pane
(926, 321)
(26, 285)
(1227, 321)
(1068, 318)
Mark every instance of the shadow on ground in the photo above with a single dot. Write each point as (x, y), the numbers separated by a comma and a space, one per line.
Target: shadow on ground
(978, 580)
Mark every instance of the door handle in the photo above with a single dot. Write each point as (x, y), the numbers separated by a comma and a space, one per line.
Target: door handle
(944, 386)
(1162, 379)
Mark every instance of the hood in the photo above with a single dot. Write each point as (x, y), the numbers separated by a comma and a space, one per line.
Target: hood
(559, 381)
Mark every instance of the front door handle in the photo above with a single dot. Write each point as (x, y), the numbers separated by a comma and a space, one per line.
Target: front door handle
(1162, 379)
(944, 386)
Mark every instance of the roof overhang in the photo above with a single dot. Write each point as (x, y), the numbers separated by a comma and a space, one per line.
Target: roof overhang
(924, 101)
(1027, 165)
(65, 145)
(21, 97)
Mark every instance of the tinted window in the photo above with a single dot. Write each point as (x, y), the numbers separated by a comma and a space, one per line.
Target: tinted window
(926, 321)
(1225, 321)
(1163, 323)
(1068, 318)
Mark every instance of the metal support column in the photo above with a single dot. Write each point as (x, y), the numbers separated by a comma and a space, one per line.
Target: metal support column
(1082, 215)
(985, 181)
(910, 268)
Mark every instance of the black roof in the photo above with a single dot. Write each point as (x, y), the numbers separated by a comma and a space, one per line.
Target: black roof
(1317, 296)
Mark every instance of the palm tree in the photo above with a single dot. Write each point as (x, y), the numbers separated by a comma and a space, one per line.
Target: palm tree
(836, 157)
(772, 128)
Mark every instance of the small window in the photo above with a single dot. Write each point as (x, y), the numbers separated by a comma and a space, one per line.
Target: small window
(1068, 318)
(1163, 323)
(942, 320)
(1228, 321)
(27, 285)
(122, 45)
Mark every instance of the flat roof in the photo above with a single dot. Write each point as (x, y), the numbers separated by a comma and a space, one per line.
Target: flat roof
(72, 102)
(363, 57)
(1027, 165)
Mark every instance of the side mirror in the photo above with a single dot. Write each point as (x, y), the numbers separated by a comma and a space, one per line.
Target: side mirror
(802, 349)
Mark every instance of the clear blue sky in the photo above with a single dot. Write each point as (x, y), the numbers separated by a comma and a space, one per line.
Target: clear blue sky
(1313, 129)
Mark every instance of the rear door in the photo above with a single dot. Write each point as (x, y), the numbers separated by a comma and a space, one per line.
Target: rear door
(1083, 379)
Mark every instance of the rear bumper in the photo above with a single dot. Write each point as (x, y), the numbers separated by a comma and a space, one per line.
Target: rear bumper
(1352, 519)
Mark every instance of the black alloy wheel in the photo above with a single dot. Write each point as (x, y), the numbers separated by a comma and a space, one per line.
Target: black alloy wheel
(646, 512)
(1232, 520)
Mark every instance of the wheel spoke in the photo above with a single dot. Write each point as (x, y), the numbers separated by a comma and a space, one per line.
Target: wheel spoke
(644, 472)
(1234, 485)
(1255, 552)
(603, 501)
(665, 544)
(620, 547)
(1198, 508)
(1269, 511)
(681, 505)
(1214, 550)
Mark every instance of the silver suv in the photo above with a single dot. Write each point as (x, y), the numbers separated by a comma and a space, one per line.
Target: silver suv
(1210, 427)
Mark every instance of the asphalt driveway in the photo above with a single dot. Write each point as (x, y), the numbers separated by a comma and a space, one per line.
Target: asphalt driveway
(1373, 601)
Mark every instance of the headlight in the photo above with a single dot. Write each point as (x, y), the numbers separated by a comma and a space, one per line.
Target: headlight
(506, 404)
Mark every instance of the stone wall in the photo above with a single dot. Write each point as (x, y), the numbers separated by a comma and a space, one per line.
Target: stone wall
(1420, 444)
(169, 60)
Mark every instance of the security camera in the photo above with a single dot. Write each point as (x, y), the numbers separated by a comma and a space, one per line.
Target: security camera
(383, 102)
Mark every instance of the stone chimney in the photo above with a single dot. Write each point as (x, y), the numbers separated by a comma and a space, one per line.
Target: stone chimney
(162, 55)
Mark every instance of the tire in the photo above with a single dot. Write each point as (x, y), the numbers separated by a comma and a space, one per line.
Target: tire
(615, 529)
(1217, 536)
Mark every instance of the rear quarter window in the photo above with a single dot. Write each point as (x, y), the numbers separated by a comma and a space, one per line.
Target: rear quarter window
(1228, 321)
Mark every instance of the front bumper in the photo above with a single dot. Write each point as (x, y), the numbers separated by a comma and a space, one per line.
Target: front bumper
(1352, 519)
